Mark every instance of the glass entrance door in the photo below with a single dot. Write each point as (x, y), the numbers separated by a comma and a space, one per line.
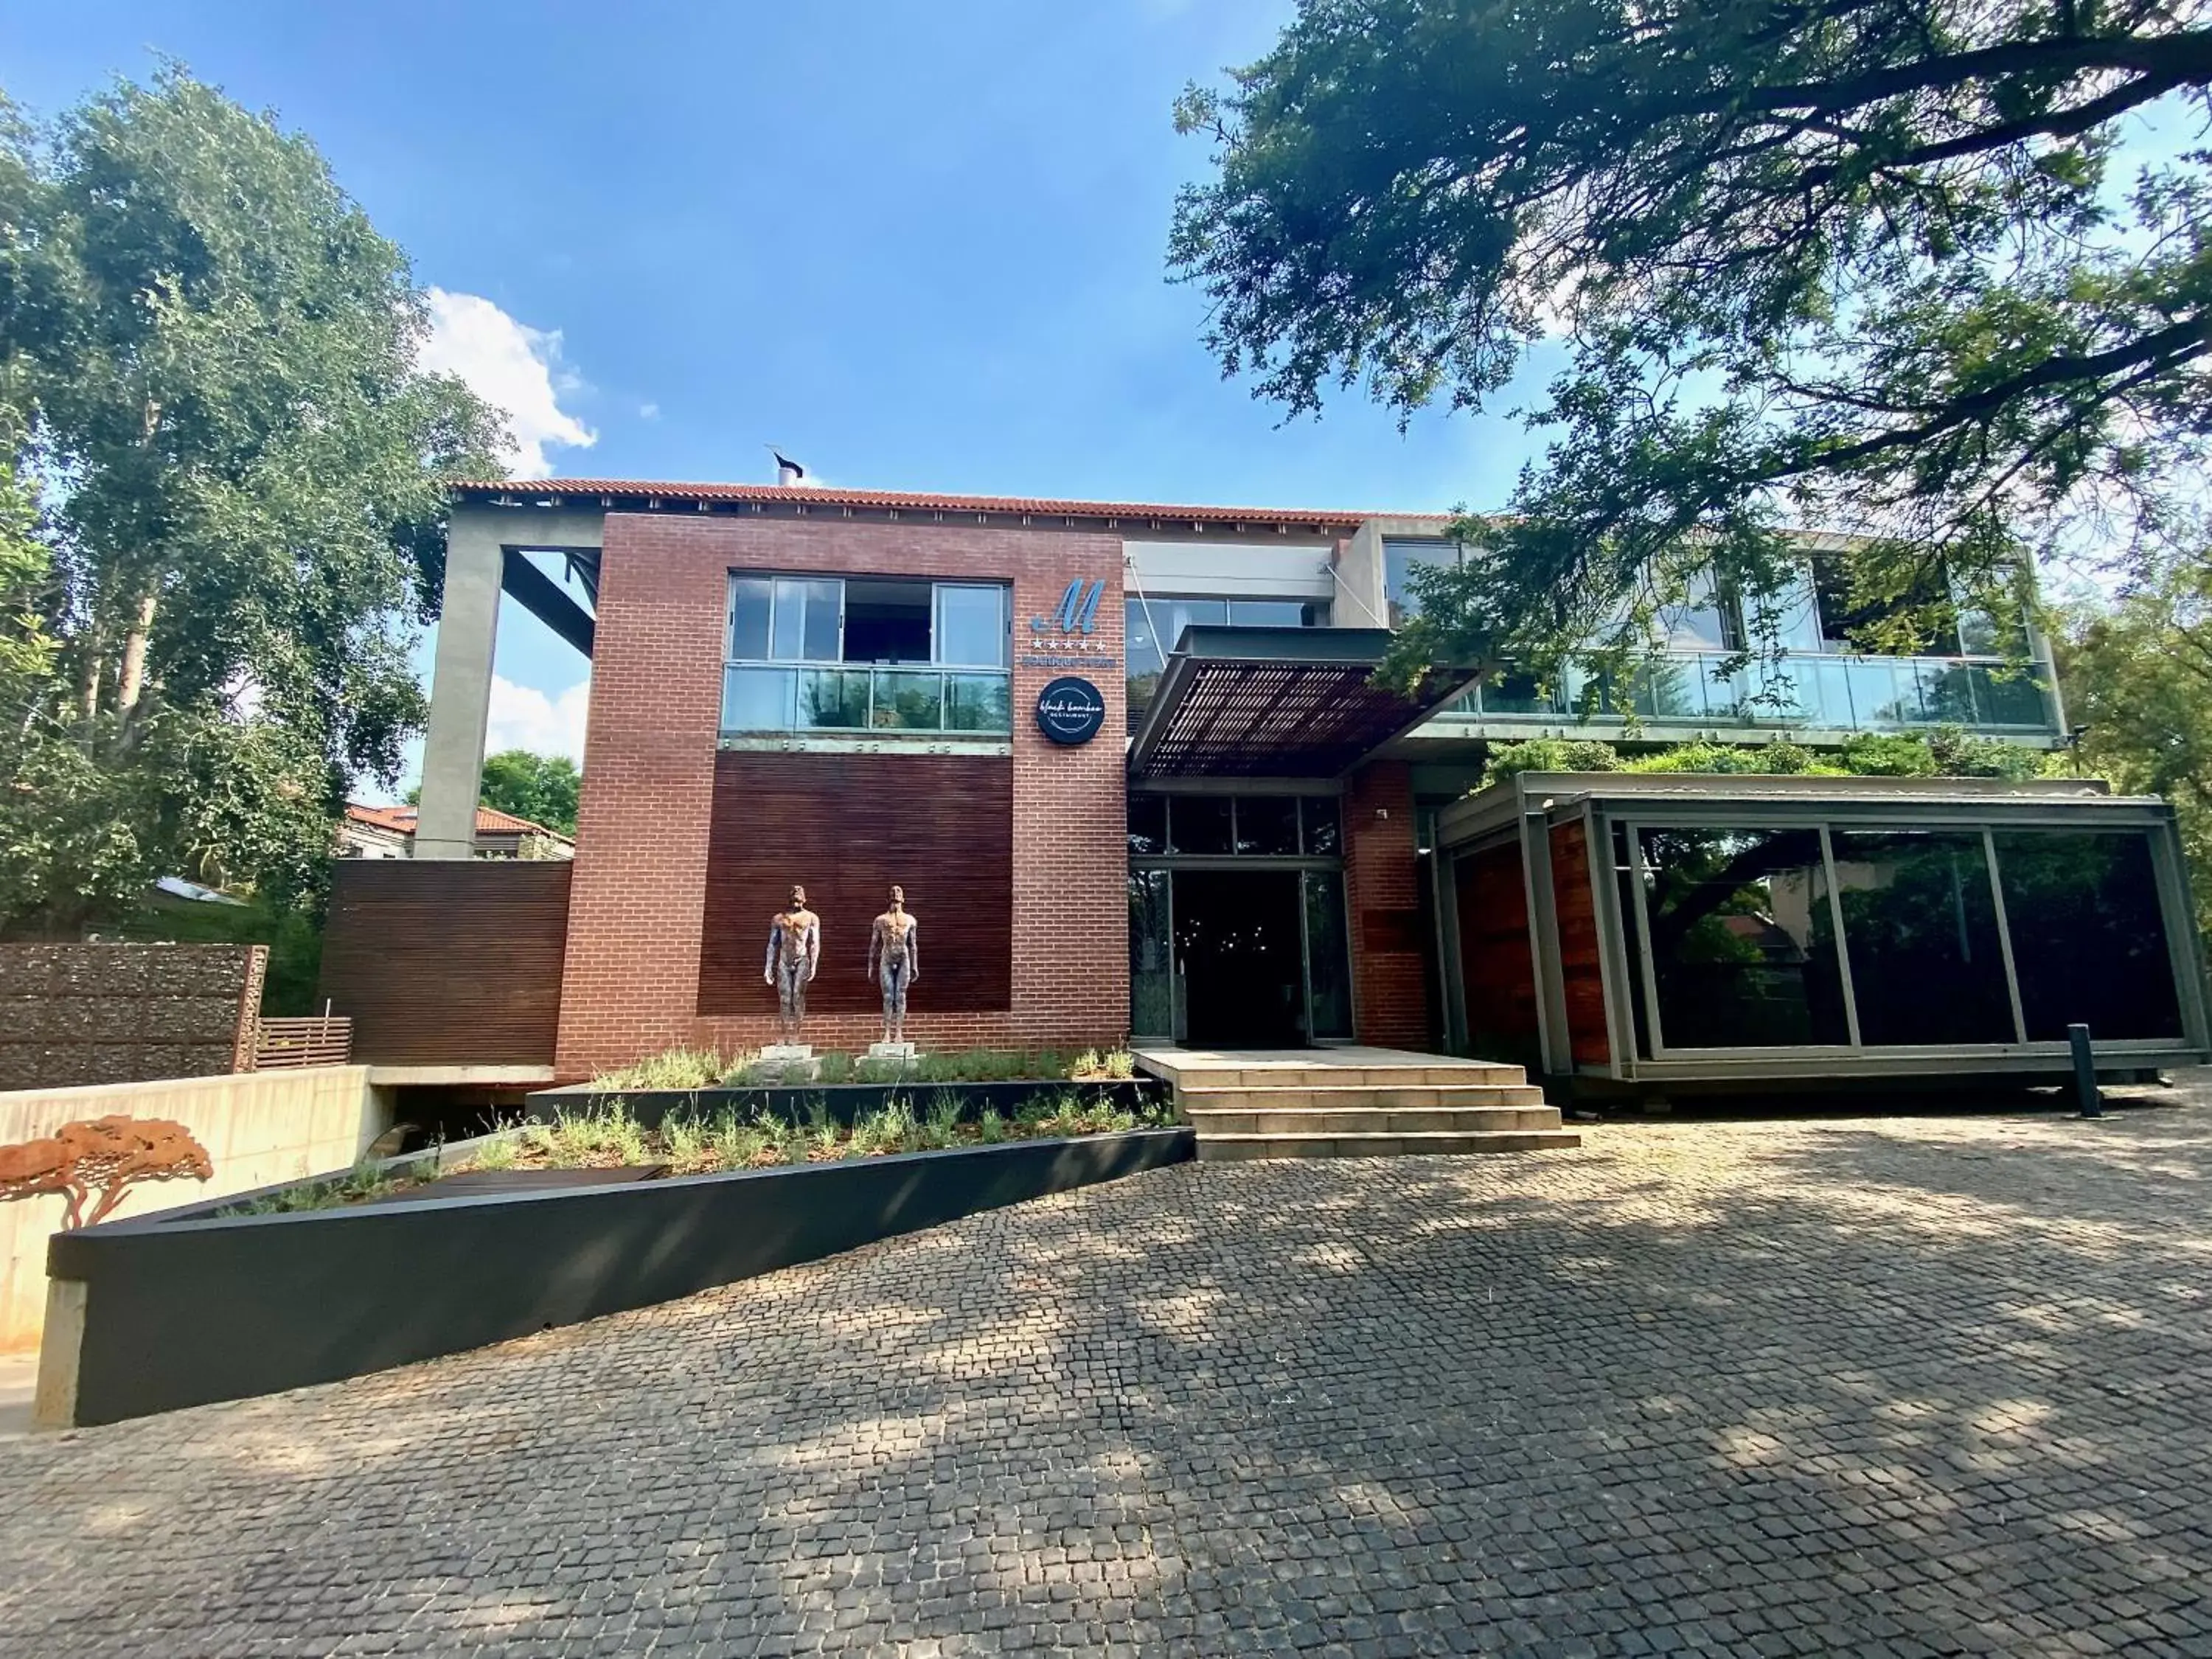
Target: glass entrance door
(1240, 954)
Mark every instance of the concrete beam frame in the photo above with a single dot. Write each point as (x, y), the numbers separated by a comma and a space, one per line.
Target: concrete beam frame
(484, 548)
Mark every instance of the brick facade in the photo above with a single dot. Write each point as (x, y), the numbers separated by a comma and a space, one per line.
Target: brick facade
(1382, 882)
(630, 980)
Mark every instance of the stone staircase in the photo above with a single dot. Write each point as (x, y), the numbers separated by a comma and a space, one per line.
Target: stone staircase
(1354, 1103)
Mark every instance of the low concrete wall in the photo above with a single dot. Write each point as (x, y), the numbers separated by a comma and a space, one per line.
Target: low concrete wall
(258, 1127)
(174, 1311)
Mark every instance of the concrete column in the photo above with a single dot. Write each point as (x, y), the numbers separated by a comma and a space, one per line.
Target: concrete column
(460, 689)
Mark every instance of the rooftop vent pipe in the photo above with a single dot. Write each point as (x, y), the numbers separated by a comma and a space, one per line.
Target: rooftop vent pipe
(788, 472)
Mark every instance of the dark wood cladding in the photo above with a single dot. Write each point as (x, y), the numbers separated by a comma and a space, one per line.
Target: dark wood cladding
(846, 827)
(1496, 968)
(1580, 965)
(447, 962)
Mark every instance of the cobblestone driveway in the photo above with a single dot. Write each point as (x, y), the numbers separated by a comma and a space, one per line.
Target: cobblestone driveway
(1931, 1385)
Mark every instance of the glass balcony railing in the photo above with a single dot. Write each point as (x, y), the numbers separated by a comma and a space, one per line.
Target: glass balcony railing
(781, 698)
(1842, 694)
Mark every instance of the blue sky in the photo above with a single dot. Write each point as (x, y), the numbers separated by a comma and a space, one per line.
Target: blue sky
(917, 247)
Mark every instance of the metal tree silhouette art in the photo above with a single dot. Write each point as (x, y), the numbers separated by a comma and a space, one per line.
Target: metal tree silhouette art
(104, 1155)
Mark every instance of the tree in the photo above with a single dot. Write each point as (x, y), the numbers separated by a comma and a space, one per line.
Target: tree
(207, 362)
(1871, 263)
(2138, 677)
(542, 788)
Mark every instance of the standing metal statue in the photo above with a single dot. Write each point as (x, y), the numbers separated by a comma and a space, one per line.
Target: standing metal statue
(794, 950)
(895, 956)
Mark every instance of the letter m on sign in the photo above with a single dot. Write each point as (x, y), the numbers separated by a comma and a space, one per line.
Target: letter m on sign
(1078, 608)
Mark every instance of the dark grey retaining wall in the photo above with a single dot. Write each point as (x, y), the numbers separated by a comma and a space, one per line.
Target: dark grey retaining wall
(178, 1313)
(844, 1101)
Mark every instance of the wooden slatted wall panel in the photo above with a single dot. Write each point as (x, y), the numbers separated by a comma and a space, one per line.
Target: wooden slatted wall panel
(1495, 964)
(846, 827)
(1579, 962)
(447, 962)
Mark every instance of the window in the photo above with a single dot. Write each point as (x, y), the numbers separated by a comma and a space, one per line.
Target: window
(867, 654)
(1742, 945)
(1920, 928)
(2088, 938)
(1153, 625)
(1400, 560)
(971, 625)
(1245, 826)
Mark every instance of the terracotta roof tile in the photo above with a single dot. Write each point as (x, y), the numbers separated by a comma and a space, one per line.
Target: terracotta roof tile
(923, 502)
(490, 821)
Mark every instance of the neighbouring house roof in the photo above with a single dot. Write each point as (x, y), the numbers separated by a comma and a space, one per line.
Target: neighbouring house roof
(490, 821)
(621, 492)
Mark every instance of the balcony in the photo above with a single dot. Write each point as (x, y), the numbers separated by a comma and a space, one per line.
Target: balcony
(1818, 694)
(780, 700)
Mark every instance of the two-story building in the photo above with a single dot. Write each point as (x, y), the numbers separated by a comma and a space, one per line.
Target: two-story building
(1128, 765)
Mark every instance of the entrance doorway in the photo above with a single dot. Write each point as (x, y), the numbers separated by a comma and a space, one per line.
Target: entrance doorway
(1239, 941)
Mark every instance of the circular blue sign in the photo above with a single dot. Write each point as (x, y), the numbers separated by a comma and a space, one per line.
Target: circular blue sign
(1070, 710)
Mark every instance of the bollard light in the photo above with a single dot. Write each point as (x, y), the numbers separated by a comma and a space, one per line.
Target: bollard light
(2085, 1072)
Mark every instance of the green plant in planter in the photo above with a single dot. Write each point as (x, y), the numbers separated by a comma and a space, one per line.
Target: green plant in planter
(682, 1136)
(1120, 1066)
(942, 1126)
(836, 1067)
(990, 1125)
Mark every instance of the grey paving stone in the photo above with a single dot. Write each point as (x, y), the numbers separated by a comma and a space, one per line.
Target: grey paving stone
(1915, 1385)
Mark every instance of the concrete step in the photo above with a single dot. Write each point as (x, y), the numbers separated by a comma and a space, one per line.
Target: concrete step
(1289, 1118)
(1331, 1098)
(1216, 1149)
(1444, 1075)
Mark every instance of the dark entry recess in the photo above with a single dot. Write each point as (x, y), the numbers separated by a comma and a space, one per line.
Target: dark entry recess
(1239, 947)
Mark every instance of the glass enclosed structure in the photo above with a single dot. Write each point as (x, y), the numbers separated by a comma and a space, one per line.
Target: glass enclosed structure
(1682, 927)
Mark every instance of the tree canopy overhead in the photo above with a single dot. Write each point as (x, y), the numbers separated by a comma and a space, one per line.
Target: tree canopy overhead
(1867, 264)
(208, 380)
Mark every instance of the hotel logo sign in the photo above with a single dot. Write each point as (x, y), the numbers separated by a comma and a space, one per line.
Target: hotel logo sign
(1066, 638)
(1078, 610)
(1070, 710)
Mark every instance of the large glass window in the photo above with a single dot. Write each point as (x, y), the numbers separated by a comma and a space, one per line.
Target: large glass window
(1329, 959)
(925, 656)
(1201, 825)
(1742, 944)
(1151, 959)
(1920, 927)
(2088, 938)
(971, 625)
(1267, 825)
(1153, 624)
(1400, 560)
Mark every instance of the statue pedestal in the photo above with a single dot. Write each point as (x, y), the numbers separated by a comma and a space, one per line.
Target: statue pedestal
(892, 1051)
(783, 1054)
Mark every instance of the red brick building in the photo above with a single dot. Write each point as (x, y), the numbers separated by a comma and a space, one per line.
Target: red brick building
(1127, 761)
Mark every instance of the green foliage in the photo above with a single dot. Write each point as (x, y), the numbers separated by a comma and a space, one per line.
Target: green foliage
(542, 788)
(1550, 755)
(1940, 751)
(209, 352)
(2138, 675)
(295, 942)
(671, 1068)
(1868, 266)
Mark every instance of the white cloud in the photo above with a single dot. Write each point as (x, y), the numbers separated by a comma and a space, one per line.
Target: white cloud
(522, 717)
(512, 366)
(648, 411)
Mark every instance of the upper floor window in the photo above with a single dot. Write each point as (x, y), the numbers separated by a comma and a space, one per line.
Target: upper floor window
(1400, 557)
(899, 655)
(1155, 622)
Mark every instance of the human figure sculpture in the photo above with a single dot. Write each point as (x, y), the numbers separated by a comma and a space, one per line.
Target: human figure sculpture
(894, 955)
(794, 950)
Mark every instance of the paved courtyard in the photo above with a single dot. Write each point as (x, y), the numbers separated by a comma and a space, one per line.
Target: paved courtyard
(1906, 1386)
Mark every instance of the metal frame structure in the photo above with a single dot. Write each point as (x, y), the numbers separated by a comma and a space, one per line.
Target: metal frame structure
(1524, 810)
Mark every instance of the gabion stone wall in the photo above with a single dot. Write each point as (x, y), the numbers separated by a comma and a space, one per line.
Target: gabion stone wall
(73, 1014)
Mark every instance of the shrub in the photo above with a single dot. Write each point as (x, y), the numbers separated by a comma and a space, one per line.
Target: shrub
(835, 1068)
(683, 1137)
(1120, 1066)
(671, 1068)
(990, 1127)
(1550, 755)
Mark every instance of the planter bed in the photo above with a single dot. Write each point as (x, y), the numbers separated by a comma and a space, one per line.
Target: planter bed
(181, 1309)
(845, 1102)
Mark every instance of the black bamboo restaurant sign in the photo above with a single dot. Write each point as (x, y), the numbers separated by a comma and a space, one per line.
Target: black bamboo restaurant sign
(1070, 710)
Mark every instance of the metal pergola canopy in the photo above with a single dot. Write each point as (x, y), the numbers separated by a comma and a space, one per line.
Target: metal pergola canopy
(1272, 703)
